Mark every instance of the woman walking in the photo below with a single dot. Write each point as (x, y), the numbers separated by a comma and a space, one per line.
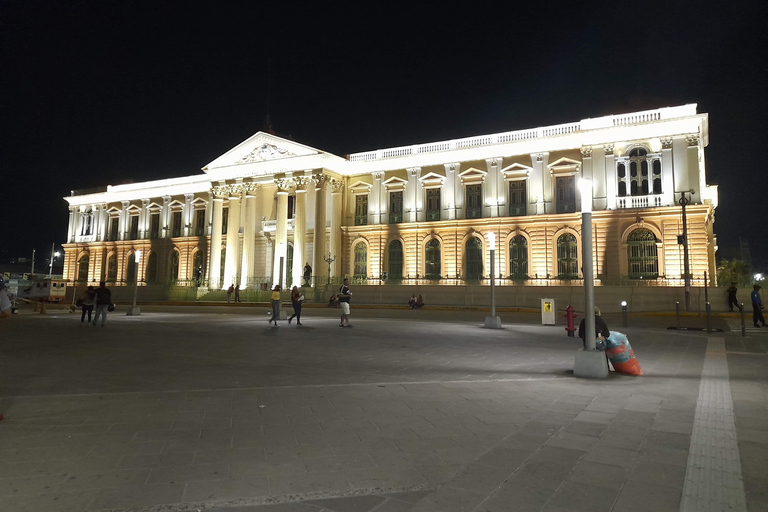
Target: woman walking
(296, 299)
(275, 304)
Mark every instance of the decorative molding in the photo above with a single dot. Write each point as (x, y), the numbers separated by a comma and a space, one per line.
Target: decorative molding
(283, 184)
(265, 152)
(472, 176)
(250, 188)
(394, 184)
(337, 186)
(666, 143)
(692, 139)
(301, 183)
(586, 152)
(220, 192)
(609, 148)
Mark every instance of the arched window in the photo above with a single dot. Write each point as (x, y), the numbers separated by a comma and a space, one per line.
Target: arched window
(567, 257)
(130, 271)
(642, 255)
(432, 259)
(474, 258)
(112, 269)
(82, 269)
(361, 261)
(395, 259)
(174, 266)
(518, 257)
(151, 273)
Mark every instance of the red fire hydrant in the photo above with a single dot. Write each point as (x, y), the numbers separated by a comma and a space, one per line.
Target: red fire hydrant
(570, 316)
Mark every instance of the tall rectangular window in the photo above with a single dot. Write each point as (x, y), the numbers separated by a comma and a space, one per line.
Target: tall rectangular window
(224, 220)
(199, 222)
(517, 198)
(176, 226)
(291, 206)
(134, 232)
(395, 207)
(361, 210)
(154, 225)
(433, 204)
(474, 203)
(565, 187)
(114, 224)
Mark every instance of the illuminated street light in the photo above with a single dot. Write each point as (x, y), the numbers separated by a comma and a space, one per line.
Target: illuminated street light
(493, 321)
(135, 311)
(589, 362)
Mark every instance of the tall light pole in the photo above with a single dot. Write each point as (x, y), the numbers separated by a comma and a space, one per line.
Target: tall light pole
(589, 362)
(54, 254)
(135, 311)
(493, 321)
(684, 201)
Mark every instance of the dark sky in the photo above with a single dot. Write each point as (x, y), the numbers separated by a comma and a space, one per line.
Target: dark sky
(100, 92)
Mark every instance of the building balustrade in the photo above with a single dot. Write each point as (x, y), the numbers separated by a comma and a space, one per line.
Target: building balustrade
(648, 201)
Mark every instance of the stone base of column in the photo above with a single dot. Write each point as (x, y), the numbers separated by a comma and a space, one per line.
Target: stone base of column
(134, 311)
(493, 322)
(590, 364)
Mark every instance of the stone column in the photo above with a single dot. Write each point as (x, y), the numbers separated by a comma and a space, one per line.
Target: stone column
(448, 191)
(412, 203)
(492, 195)
(319, 266)
(144, 220)
(214, 265)
(165, 230)
(124, 220)
(249, 235)
(186, 215)
(233, 237)
(374, 199)
(281, 233)
(610, 177)
(692, 181)
(667, 171)
(72, 228)
(300, 230)
(337, 193)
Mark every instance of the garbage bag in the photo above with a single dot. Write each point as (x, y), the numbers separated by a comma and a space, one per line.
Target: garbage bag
(621, 355)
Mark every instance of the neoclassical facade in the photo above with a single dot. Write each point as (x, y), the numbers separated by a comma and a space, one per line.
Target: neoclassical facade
(417, 213)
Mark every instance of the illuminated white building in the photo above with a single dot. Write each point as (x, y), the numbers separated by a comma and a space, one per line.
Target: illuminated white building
(417, 213)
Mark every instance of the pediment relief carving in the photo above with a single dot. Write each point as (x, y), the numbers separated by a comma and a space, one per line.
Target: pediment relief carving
(264, 152)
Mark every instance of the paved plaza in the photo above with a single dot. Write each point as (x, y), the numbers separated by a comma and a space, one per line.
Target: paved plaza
(211, 409)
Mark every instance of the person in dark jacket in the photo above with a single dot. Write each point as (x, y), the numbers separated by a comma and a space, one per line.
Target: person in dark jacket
(732, 297)
(103, 301)
(296, 299)
(757, 306)
(88, 300)
(601, 328)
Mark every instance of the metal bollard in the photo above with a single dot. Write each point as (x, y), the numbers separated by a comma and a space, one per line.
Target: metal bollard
(743, 327)
(677, 312)
(709, 317)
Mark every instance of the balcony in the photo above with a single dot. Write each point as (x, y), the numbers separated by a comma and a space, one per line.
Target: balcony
(629, 202)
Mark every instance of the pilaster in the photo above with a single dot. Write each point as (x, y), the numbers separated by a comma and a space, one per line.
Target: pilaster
(319, 266)
(165, 230)
(124, 220)
(494, 195)
(414, 202)
(187, 215)
(610, 174)
(667, 171)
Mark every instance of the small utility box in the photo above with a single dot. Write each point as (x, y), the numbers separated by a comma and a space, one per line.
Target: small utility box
(548, 312)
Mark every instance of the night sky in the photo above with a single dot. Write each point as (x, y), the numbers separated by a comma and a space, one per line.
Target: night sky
(105, 92)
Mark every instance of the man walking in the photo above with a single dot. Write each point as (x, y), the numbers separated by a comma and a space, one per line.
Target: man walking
(344, 295)
(103, 301)
(5, 302)
(732, 297)
(757, 307)
(307, 274)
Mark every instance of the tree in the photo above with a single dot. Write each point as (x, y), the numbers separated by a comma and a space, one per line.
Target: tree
(734, 271)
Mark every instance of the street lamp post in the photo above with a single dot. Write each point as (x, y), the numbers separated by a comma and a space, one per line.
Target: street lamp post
(493, 321)
(135, 311)
(589, 362)
(684, 201)
(329, 260)
(54, 255)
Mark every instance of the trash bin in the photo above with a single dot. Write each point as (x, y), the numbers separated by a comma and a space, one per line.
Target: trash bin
(548, 311)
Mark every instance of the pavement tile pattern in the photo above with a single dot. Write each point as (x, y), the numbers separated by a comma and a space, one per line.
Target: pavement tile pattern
(217, 411)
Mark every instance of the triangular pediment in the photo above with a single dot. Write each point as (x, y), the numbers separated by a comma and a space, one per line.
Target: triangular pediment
(360, 187)
(472, 175)
(517, 169)
(395, 183)
(564, 162)
(261, 147)
(431, 176)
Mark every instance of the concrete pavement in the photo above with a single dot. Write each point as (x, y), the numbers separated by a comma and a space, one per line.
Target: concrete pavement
(212, 409)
